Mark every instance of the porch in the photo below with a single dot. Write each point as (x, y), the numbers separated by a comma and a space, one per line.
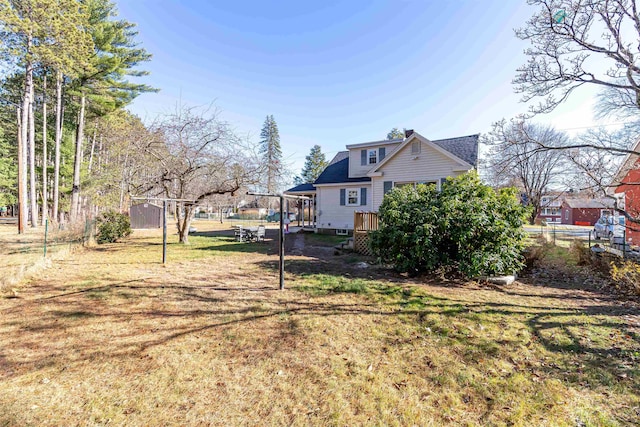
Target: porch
(305, 209)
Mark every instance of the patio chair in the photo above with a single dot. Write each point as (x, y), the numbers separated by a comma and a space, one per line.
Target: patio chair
(239, 233)
(261, 233)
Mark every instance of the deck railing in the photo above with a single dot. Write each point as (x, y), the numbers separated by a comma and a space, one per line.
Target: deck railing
(363, 223)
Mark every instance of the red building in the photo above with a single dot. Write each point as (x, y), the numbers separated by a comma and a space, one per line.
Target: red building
(627, 183)
(582, 211)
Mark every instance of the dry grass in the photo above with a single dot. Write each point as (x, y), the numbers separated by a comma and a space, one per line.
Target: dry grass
(110, 336)
(22, 255)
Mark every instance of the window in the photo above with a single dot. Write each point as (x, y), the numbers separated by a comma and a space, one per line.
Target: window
(353, 197)
(342, 232)
(550, 211)
(566, 215)
(415, 147)
(373, 156)
(413, 184)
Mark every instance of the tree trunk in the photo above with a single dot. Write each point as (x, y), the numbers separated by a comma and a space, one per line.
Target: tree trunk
(45, 161)
(93, 147)
(56, 167)
(184, 222)
(75, 192)
(32, 158)
(22, 174)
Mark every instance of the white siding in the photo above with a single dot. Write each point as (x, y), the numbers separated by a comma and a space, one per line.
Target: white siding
(356, 170)
(330, 214)
(429, 165)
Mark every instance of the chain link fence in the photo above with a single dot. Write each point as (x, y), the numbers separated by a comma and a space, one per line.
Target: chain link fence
(37, 247)
(562, 235)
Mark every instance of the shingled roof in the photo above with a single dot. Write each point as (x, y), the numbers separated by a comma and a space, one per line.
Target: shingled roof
(302, 188)
(582, 203)
(338, 171)
(464, 147)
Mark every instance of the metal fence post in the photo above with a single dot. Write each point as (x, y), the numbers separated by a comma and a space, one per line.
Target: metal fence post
(281, 243)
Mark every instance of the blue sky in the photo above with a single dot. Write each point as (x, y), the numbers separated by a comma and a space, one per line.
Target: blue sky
(336, 73)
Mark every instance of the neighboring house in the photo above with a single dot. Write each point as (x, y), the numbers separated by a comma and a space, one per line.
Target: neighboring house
(550, 208)
(583, 211)
(627, 186)
(357, 179)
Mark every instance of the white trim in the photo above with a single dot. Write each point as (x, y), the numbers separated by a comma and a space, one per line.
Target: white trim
(372, 143)
(300, 192)
(424, 141)
(346, 196)
(342, 184)
(377, 156)
(625, 167)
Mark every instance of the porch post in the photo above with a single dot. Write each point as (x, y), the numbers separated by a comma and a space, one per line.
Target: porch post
(313, 219)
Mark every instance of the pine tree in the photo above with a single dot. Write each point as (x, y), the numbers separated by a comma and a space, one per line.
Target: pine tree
(34, 33)
(271, 153)
(314, 164)
(104, 87)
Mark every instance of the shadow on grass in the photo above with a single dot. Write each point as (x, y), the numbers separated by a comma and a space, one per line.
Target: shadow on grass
(578, 359)
(593, 358)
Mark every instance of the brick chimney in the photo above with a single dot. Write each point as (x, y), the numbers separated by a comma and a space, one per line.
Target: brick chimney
(408, 133)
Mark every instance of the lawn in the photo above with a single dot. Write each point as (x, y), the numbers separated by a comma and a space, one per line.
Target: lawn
(110, 336)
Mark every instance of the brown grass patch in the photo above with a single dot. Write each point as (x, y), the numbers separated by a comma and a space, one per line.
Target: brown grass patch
(111, 336)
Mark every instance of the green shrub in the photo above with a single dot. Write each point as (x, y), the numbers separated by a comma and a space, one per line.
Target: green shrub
(467, 226)
(112, 226)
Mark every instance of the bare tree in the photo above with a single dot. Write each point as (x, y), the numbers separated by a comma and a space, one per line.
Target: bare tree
(592, 43)
(576, 43)
(196, 155)
(514, 160)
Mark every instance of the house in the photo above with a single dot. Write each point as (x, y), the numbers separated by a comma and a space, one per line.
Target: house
(358, 178)
(584, 211)
(550, 208)
(626, 185)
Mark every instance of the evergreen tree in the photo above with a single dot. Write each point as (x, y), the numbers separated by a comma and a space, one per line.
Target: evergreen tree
(8, 154)
(33, 33)
(104, 87)
(314, 164)
(271, 153)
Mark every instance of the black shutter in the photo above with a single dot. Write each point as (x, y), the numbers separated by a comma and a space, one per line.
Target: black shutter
(383, 152)
(363, 196)
(363, 157)
(442, 181)
(343, 196)
(388, 185)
